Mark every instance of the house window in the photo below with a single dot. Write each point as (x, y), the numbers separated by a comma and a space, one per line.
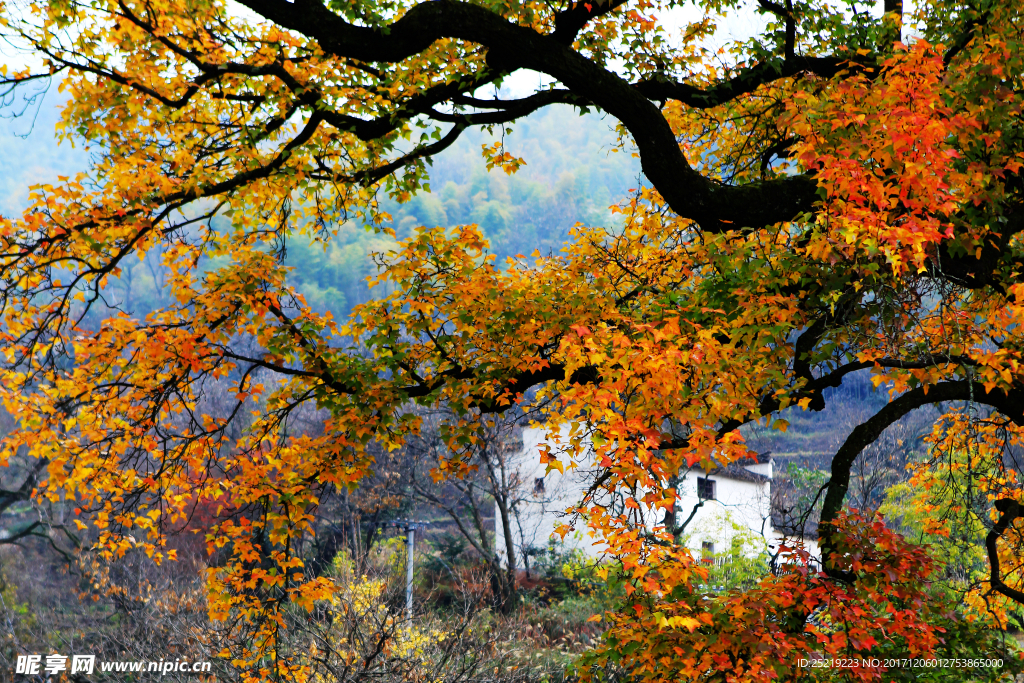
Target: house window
(705, 488)
(538, 485)
(707, 552)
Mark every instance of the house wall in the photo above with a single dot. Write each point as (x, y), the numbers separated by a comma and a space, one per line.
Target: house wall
(741, 504)
(741, 508)
(540, 511)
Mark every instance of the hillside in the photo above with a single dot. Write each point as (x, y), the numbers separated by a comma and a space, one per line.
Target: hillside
(574, 171)
(29, 152)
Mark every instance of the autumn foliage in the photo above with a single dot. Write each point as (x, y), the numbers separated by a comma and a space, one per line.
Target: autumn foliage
(840, 194)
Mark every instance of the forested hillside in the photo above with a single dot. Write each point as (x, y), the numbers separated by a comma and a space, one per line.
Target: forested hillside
(29, 153)
(574, 171)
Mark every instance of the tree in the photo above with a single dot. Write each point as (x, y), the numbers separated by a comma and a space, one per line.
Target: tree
(820, 200)
(495, 488)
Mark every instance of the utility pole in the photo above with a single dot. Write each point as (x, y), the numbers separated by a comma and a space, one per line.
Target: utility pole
(409, 526)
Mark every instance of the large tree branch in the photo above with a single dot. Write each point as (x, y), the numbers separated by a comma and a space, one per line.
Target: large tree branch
(1010, 404)
(1009, 510)
(715, 206)
(9, 497)
(569, 22)
(990, 265)
(743, 83)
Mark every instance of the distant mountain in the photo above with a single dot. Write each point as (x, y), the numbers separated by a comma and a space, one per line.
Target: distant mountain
(29, 152)
(574, 172)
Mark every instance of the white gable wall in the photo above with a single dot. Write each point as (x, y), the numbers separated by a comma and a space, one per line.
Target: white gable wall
(744, 504)
(747, 504)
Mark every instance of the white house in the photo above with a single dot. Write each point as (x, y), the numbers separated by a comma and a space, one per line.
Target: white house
(724, 509)
(727, 508)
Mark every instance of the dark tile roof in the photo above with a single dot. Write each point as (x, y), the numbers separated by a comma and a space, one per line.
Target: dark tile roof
(758, 458)
(788, 523)
(735, 470)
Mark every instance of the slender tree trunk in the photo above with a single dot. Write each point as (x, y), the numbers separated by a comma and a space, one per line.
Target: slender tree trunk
(672, 516)
(507, 574)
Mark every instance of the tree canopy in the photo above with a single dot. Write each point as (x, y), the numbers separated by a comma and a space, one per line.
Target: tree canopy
(839, 193)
